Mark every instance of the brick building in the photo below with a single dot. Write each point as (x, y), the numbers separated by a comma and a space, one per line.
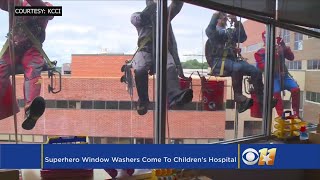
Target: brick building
(94, 103)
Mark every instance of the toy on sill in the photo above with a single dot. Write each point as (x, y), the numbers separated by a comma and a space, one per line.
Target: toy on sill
(62, 174)
(287, 126)
(143, 174)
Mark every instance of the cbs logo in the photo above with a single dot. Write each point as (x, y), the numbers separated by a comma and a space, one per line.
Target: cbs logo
(265, 156)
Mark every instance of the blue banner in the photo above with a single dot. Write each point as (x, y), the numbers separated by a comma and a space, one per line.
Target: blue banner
(20, 156)
(111, 156)
(141, 156)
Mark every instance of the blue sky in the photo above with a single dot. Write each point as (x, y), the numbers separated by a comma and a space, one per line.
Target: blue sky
(88, 26)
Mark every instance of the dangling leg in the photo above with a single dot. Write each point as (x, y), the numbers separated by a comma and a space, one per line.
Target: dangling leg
(141, 64)
(141, 79)
(34, 104)
(6, 90)
(243, 102)
(256, 77)
(176, 96)
(293, 87)
(277, 95)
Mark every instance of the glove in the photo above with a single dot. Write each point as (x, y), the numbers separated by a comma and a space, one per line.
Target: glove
(233, 18)
(280, 41)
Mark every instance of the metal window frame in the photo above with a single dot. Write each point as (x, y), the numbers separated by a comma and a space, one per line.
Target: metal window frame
(161, 54)
(160, 89)
(161, 86)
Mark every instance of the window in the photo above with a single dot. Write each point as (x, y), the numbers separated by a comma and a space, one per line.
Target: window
(86, 104)
(99, 104)
(176, 141)
(62, 104)
(313, 96)
(313, 64)
(286, 36)
(308, 96)
(229, 125)
(140, 141)
(294, 65)
(252, 128)
(50, 104)
(254, 47)
(298, 41)
(148, 141)
(72, 104)
(318, 98)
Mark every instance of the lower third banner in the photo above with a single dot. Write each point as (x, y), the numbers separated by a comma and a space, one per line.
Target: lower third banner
(140, 156)
(150, 156)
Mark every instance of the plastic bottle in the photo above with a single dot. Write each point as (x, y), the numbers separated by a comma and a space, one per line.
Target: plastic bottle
(303, 133)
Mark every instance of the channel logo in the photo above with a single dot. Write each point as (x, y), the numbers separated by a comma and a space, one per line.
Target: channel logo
(263, 157)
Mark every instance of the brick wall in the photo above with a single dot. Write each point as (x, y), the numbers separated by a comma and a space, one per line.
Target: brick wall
(98, 65)
(113, 123)
(121, 123)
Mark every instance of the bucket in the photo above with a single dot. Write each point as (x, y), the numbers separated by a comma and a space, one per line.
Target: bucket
(212, 94)
(185, 83)
(255, 110)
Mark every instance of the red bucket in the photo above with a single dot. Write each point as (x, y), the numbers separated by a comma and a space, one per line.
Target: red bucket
(59, 174)
(212, 94)
(185, 83)
(255, 110)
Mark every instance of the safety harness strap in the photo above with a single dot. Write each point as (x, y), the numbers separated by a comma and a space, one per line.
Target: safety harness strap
(144, 41)
(37, 44)
(224, 56)
(4, 48)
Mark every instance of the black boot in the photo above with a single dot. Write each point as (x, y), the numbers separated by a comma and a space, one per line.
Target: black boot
(176, 96)
(141, 79)
(33, 113)
(142, 107)
(243, 103)
(184, 97)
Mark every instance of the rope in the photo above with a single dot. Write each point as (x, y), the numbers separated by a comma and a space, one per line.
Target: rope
(168, 29)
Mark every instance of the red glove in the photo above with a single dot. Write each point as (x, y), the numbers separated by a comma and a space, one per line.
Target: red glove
(280, 41)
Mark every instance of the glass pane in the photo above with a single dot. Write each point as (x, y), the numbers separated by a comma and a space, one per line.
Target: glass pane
(310, 64)
(8, 106)
(315, 64)
(89, 55)
(306, 81)
(318, 97)
(299, 65)
(314, 96)
(212, 114)
(308, 96)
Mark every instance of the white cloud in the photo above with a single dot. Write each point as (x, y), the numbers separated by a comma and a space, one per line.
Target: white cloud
(74, 28)
(88, 26)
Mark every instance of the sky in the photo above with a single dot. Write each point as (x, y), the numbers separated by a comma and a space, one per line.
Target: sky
(87, 27)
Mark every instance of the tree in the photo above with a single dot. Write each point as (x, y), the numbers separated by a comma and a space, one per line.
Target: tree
(194, 64)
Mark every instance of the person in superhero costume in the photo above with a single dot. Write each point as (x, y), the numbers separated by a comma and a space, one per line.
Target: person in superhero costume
(282, 78)
(28, 57)
(222, 55)
(143, 61)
